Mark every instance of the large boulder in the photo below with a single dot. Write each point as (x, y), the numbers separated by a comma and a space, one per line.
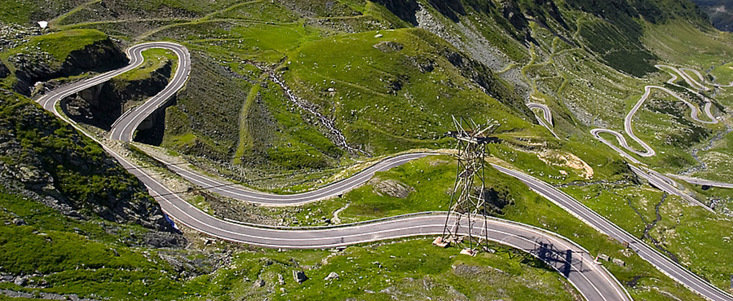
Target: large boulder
(391, 188)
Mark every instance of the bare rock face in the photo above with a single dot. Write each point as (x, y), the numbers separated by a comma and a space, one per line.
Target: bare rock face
(388, 46)
(47, 161)
(37, 66)
(391, 188)
(404, 9)
(101, 105)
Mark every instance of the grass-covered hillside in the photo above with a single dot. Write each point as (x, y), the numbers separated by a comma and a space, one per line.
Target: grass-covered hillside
(288, 95)
(34, 58)
(357, 69)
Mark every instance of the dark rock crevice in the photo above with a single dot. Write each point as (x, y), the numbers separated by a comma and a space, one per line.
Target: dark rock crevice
(4, 72)
(101, 105)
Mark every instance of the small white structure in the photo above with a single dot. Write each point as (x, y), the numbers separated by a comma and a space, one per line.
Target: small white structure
(43, 24)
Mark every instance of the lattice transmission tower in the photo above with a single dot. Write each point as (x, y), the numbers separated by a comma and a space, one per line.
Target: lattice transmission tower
(467, 205)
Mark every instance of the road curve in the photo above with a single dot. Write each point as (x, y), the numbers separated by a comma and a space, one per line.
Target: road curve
(593, 281)
(334, 189)
(628, 128)
(124, 127)
(49, 100)
(546, 119)
(656, 179)
(648, 150)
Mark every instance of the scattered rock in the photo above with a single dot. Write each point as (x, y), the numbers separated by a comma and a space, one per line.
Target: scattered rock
(43, 170)
(388, 46)
(465, 270)
(259, 283)
(280, 279)
(20, 281)
(619, 262)
(391, 188)
(331, 276)
(19, 222)
(160, 239)
(379, 35)
(299, 276)
(602, 256)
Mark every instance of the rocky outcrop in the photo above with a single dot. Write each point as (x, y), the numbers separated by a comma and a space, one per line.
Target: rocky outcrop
(47, 161)
(39, 66)
(719, 12)
(511, 12)
(101, 105)
(488, 82)
(393, 188)
(388, 46)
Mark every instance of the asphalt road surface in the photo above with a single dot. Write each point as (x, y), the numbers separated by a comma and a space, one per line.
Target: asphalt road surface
(546, 119)
(592, 280)
(703, 182)
(241, 193)
(655, 179)
(648, 150)
(124, 127)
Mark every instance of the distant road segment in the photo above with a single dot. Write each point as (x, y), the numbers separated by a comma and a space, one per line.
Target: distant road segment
(546, 119)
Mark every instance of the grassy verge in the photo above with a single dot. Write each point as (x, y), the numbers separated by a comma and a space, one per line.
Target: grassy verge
(154, 60)
(59, 44)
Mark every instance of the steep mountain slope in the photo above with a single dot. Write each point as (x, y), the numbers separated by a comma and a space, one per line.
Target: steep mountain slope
(44, 159)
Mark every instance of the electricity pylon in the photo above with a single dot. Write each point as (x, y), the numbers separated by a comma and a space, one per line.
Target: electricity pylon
(468, 202)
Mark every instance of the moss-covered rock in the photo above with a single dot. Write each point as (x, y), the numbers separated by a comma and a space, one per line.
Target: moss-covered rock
(45, 159)
(63, 54)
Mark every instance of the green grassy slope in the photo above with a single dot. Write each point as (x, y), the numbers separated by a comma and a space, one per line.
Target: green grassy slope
(389, 87)
(369, 86)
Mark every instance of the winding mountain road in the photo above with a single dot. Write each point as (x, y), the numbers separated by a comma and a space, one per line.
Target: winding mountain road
(334, 189)
(124, 127)
(593, 281)
(49, 100)
(546, 119)
(628, 128)
(656, 179)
